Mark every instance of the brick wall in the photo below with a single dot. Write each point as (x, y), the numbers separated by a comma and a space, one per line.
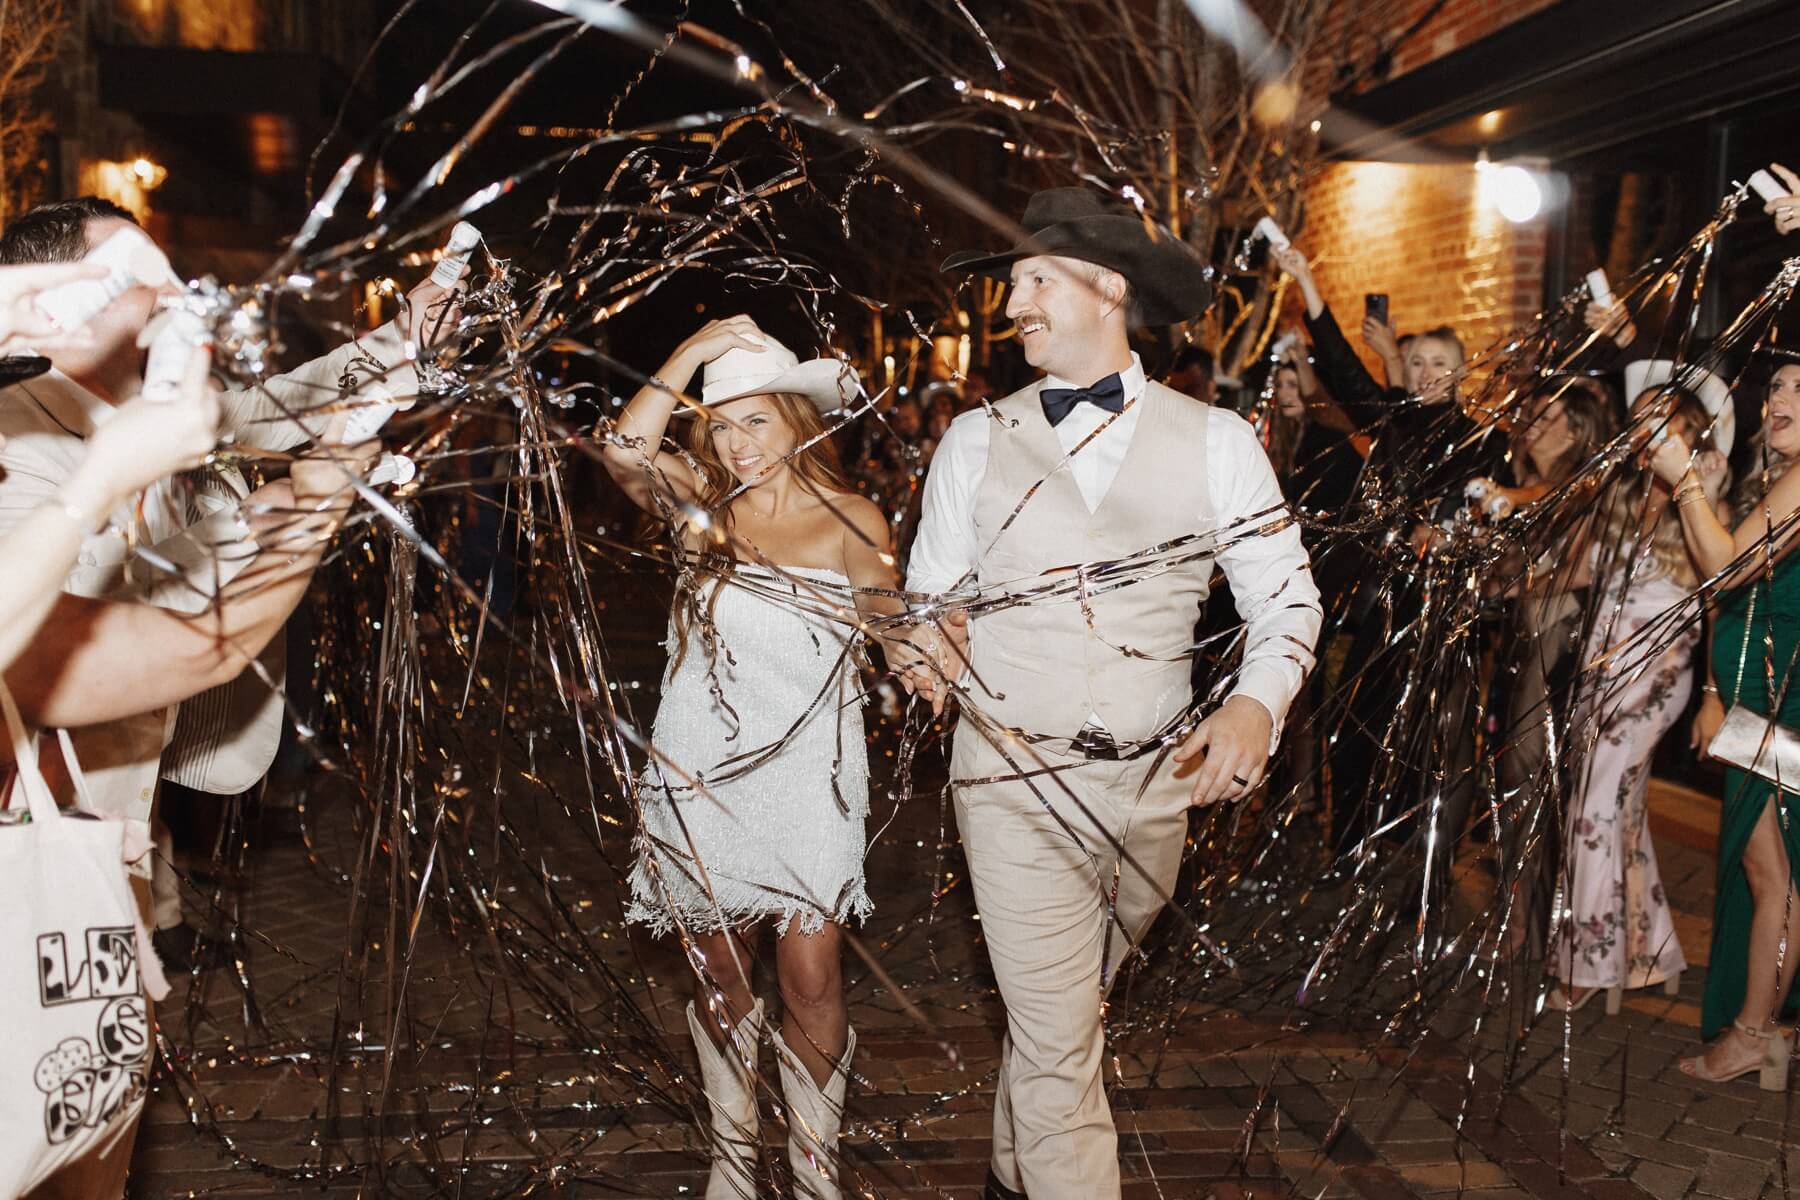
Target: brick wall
(1424, 234)
(1427, 237)
(1355, 32)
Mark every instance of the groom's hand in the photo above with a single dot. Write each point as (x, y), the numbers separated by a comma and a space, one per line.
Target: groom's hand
(943, 656)
(1233, 748)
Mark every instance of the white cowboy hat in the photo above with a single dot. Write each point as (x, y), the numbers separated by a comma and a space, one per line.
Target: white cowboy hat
(1714, 393)
(829, 383)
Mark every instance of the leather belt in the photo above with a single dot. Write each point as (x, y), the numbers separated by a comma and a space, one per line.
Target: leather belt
(1093, 742)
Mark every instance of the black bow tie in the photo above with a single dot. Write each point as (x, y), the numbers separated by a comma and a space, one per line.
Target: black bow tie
(1108, 393)
(1059, 402)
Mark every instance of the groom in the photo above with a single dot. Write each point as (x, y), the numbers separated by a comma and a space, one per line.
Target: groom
(1055, 764)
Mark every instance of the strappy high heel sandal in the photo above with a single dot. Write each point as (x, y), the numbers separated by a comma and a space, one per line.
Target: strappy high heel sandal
(1771, 1069)
(1559, 1000)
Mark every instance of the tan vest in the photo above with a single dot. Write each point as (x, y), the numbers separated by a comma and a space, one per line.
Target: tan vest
(1048, 667)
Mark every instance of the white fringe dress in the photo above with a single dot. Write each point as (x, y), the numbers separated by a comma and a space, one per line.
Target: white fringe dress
(770, 726)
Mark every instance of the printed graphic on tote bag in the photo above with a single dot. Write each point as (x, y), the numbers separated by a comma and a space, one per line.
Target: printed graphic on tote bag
(85, 1087)
(109, 969)
(87, 1084)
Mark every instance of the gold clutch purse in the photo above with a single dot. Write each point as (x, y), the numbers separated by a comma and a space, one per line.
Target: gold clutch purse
(1754, 743)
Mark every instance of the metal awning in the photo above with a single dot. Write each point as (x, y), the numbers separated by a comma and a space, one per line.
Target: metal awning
(1581, 79)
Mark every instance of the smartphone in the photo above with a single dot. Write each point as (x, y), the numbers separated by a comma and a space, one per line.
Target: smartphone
(1375, 304)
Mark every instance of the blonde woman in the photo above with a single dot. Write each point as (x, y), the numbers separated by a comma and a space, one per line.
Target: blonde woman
(755, 798)
(1616, 931)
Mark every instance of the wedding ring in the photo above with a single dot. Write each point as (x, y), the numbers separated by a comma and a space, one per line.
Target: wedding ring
(1240, 781)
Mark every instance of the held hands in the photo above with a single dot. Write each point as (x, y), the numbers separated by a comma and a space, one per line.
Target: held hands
(299, 513)
(1381, 339)
(1293, 351)
(1712, 469)
(324, 478)
(1290, 260)
(1232, 748)
(941, 659)
(1786, 210)
(1672, 460)
(1670, 457)
(270, 511)
(1427, 539)
(737, 332)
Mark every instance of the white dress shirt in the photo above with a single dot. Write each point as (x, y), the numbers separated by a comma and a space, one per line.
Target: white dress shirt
(1268, 572)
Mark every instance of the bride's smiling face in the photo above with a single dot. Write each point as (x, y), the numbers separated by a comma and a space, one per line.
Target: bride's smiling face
(751, 437)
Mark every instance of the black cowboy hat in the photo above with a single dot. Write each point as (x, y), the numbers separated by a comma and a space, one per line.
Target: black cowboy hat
(1167, 276)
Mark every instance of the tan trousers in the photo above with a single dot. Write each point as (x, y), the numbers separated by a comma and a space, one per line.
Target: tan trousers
(1042, 893)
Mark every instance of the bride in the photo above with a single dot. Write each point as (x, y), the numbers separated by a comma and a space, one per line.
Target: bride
(754, 800)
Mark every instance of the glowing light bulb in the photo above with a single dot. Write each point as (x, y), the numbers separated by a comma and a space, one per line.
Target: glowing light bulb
(1513, 191)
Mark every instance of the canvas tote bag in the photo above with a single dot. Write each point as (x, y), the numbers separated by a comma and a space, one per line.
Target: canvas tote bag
(77, 1050)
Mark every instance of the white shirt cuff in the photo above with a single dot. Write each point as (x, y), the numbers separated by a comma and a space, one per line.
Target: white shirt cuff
(1269, 687)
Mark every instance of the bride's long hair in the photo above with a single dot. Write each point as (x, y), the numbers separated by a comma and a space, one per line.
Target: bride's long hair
(816, 468)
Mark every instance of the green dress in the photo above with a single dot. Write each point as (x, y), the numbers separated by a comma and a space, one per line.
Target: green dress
(1746, 795)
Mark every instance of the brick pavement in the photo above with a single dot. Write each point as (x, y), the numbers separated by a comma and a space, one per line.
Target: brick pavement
(1234, 1104)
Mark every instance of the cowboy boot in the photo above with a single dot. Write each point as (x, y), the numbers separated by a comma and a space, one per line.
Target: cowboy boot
(814, 1117)
(729, 1077)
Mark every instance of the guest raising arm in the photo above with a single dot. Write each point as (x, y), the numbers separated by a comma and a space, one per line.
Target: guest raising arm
(147, 440)
(1756, 625)
(1766, 529)
(99, 661)
(1425, 449)
(1616, 930)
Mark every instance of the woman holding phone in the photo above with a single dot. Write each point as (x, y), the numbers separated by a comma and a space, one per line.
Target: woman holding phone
(1424, 449)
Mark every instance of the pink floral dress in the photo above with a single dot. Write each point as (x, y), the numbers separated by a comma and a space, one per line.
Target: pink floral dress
(1616, 928)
